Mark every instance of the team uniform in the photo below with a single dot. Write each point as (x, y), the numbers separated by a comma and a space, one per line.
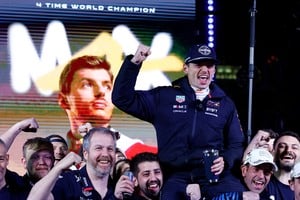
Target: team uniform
(76, 184)
(14, 188)
(184, 125)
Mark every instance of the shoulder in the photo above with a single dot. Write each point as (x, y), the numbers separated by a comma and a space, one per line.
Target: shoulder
(278, 189)
(13, 178)
(9, 192)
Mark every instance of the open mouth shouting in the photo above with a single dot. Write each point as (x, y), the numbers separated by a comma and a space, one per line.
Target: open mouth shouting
(258, 184)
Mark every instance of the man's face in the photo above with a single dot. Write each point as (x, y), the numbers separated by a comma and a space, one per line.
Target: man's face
(38, 164)
(257, 177)
(200, 74)
(90, 96)
(150, 179)
(295, 186)
(101, 155)
(287, 152)
(3, 164)
(122, 166)
(60, 150)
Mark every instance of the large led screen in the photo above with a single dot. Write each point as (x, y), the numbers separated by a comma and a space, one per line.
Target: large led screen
(37, 38)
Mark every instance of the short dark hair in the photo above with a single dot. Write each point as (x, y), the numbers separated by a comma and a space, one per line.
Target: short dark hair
(287, 133)
(117, 171)
(142, 157)
(83, 62)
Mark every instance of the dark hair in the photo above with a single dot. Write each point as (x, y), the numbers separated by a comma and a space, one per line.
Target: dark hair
(142, 157)
(99, 130)
(83, 62)
(287, 133)
(56, 138)
(117, 172)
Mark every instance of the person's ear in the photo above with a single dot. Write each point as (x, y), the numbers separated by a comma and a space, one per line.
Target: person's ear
(244, 169)
(135, 182)
(85, 154)
(292, 184)
(185, 68)
(63, 101)
(23, 161)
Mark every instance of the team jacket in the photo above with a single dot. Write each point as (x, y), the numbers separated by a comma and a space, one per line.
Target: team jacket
(184, 126)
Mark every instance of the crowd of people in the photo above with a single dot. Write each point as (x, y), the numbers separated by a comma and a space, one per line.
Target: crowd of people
(95, 161)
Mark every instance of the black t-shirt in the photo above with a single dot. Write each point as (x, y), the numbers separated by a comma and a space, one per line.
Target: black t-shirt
(15, 187)
(278, 190)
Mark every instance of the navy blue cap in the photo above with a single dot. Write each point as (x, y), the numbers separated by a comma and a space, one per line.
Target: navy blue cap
(200, 52)
(56, 138)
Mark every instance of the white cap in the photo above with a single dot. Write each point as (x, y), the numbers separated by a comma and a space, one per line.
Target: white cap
(295, 173)
(259, 156)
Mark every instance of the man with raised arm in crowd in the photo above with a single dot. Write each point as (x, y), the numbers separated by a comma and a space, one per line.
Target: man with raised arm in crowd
(91, 181)
(37, 160)
(190, 116)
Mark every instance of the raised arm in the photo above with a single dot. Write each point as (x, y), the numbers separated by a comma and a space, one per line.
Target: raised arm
(259, 140)
(42, 189)
(124, 95)
(141, 54)
(26, 125)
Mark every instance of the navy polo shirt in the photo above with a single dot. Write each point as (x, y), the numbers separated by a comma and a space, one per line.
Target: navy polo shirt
(76, 184)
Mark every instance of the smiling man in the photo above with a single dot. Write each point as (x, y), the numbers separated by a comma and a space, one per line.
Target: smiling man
(256, 172)
(91, 181)
(148, 180)
(37, 160)
(146, 169)
(286, 154)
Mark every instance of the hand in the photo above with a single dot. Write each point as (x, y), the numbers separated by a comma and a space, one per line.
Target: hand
(193, 191)
(84, 128)
(124, 184)
(28, 125)
(69, 160)
(249, 195)
(218, 166)
(141, 54)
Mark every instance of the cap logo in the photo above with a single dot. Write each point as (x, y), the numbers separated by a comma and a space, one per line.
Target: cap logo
(204, 50)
